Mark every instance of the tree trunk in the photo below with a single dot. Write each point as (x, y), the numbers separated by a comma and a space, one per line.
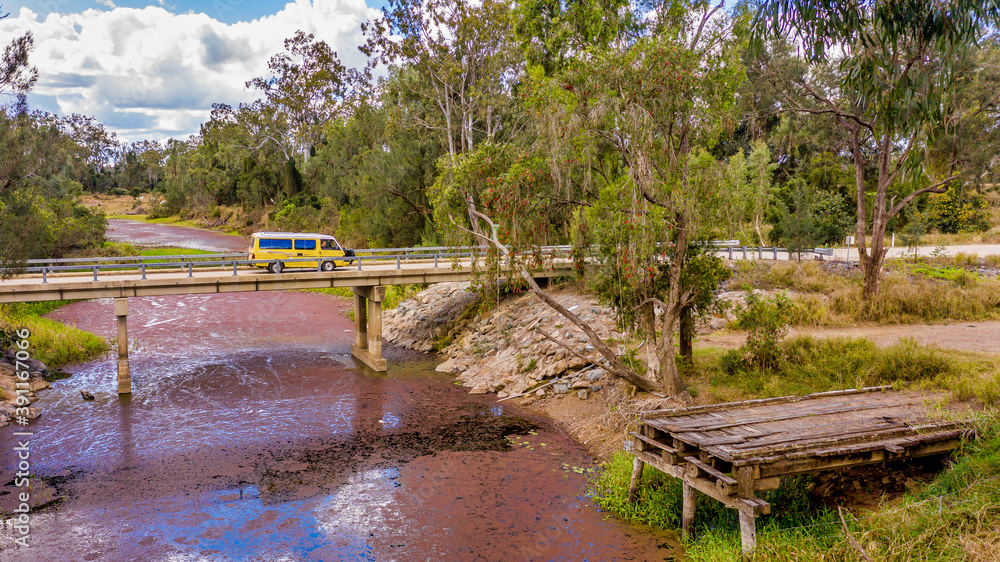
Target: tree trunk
(871, 268)
(687, 334)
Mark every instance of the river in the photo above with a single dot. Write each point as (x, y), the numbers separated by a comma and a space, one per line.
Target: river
(252, 434)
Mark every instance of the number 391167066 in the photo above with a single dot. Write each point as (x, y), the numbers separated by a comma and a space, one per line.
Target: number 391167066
(21, 357)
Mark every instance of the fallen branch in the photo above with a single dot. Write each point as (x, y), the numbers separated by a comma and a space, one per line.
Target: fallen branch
(533, 390)
(564, 346)
(615, 366)
(850, 537)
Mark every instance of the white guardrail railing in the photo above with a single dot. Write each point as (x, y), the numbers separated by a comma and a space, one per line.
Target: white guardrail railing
(141, 264)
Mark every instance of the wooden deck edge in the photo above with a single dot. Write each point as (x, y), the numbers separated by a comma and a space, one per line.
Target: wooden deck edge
(665, 413)
(751, 506)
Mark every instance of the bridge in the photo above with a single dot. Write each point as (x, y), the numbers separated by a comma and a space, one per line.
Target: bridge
(367, 277)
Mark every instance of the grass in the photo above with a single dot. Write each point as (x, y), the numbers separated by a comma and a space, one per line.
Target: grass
(819, 364)
(932, 290)
(394, 294)
(173, 251)
(52, 342)
(956, 516)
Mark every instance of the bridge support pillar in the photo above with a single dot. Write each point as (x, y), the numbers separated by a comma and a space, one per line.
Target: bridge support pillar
(368, 326)
(124, 374)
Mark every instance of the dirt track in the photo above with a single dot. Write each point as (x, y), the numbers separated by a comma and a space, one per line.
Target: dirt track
(965, 336)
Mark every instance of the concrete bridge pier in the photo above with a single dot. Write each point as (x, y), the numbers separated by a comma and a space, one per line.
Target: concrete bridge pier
(124, 374)
(368, 326)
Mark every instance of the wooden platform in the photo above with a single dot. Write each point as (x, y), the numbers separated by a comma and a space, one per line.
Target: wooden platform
(730, 451)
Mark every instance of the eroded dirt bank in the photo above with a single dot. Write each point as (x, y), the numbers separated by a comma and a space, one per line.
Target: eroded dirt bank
(252, 434)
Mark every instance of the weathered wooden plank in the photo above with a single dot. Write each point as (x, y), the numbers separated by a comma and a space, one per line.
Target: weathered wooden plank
(652, 414)
(695, 468)
(790, 467)
(794, 414)
(808, 446)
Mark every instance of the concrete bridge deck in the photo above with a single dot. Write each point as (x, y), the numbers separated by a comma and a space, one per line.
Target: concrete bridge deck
(367, 282)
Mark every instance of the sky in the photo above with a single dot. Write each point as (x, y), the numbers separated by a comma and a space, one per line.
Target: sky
(151, 70)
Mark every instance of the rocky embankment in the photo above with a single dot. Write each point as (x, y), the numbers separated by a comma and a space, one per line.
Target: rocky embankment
(515, 346)
(37, 371)
(509, 348)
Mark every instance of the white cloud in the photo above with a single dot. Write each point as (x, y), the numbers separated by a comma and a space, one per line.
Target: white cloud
(153, 74)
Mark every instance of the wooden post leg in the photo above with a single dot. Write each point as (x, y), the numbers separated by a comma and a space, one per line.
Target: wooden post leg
(633, 487)
(748, 534)
(748, 521)
(690, 502)
(124, 373)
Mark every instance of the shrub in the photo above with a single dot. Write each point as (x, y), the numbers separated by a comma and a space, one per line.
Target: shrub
(766, 322)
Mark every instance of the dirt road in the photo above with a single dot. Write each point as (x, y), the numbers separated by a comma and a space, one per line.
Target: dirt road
(964, 336)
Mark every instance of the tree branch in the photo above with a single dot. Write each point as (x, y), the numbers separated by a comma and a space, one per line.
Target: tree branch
(937, 187)
(615, 365)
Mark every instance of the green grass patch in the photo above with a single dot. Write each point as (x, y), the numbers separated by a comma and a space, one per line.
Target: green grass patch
(174, 251)
(394, 294)
(925, 291)
(52, 342)
(808, 365)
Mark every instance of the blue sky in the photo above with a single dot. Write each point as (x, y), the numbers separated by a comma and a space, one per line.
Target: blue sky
(152, 69)
(227, 11)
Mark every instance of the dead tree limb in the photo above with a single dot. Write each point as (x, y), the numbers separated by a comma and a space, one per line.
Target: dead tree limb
(615, 365)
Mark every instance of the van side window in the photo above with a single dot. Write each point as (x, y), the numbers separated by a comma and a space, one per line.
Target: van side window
(275, 244)
(305, 244)
(326, 245)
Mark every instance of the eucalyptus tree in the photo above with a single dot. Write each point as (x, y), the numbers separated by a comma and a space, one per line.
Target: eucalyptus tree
(308, 87)
(895, 64)
(17, 77)
(466, 63)
(623, 132)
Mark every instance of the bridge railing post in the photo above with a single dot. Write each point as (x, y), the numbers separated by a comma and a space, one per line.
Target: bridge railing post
(142, 267)
(45, 277)
(95, 273)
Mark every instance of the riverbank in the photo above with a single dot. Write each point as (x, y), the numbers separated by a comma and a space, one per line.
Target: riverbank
(517, 344)
(51, 344)
(508, 347)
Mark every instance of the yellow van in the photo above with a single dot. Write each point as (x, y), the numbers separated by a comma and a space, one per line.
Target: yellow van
(277, 246)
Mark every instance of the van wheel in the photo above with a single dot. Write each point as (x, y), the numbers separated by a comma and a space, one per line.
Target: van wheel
(275, 267)
(329, 266)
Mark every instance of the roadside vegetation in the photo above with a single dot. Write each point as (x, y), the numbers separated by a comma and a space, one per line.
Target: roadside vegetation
(52, 342)
(913, 291)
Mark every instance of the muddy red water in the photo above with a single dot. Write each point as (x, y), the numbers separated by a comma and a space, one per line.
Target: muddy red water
(253, 435)
(136, 232)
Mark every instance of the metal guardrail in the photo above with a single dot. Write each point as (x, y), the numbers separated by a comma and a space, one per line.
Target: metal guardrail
(141, 264)
(773, 251)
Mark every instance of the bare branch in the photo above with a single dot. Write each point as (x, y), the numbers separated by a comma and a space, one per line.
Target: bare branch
(615, 365)
(938, 187)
